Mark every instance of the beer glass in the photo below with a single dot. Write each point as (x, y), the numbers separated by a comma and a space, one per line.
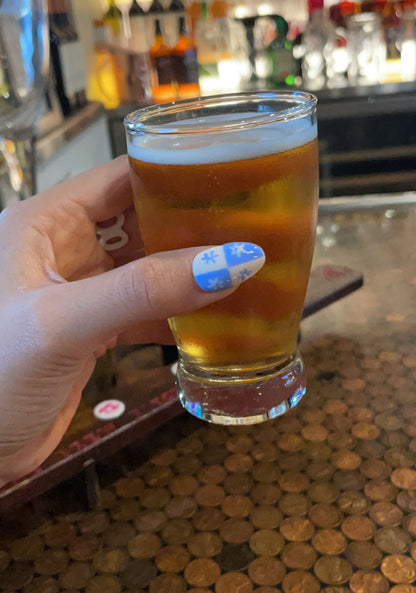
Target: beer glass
(234, 168)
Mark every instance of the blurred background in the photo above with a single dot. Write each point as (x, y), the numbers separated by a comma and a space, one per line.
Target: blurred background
(109, 57)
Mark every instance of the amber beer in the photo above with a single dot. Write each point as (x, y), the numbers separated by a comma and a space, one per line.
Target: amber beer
(259, 187)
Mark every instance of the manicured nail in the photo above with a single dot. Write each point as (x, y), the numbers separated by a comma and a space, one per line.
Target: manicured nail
(224, 266)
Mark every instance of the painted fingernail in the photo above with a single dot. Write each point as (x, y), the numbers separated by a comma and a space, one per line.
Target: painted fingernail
(224, 266)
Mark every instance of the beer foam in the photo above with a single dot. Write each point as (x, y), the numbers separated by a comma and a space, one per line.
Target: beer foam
(220, 147)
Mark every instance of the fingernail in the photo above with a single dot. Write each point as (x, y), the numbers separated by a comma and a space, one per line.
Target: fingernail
(224, 266)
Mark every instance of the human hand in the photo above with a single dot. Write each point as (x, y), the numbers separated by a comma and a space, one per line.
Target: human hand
(64, 300)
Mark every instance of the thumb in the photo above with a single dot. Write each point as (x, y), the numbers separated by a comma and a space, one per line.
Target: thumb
(85, 313)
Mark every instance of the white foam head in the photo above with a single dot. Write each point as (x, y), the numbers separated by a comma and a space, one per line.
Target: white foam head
(224, 146)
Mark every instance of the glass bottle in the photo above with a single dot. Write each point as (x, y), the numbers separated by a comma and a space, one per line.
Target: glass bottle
(137, 16)
(316, 40)
(185, 64)
(279, 52)
(163, 86)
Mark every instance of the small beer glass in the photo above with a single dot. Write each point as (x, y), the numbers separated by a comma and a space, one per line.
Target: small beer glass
(234, 168)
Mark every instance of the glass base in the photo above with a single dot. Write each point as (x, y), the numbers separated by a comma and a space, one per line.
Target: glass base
(242, 402)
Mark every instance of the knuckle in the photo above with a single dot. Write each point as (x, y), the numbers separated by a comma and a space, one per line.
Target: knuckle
(145, 277)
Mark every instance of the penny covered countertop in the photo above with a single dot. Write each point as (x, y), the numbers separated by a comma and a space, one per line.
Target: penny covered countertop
(322, 499)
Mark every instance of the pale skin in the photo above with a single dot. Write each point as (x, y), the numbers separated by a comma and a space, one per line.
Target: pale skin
(64, 301)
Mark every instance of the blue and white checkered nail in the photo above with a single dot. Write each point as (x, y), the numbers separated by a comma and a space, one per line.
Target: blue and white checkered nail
(224, 266)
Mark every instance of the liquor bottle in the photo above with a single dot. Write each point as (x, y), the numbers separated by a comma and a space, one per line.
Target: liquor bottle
(175, 11)
(185, 64)
(163, 85)
(139, 38)
(113, 19)
(208, 55)
(67, 57)
(392, 22)
(316, 41)
(107, 82)
(280, 55)
(155, 12)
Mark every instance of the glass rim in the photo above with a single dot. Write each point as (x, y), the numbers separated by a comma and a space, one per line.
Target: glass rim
(304, 104)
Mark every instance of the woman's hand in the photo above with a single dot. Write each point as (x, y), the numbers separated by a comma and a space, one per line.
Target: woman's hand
(64, 300)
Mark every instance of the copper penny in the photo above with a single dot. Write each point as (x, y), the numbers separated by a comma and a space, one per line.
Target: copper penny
(236, 505)
(83, 547)
(353, 503)
(265, 433)
(155, 498)
(167, 583)
(377, 490)
(320, 470)
(189, 464)
(204, 544)
(404, 478)
(236, 530)
(42, 584)
(112, 561)
(234, 557)
(365, 431)
(208, 519)
(290, 442)
(357, 527)
(126, 510)
(266, 494)
(266, 571)
(329, 541)
(410, 525)
(103, 583)
(130, 487)
(314, 432)
(265, 517)
(4, 560)
(190, 445)
(210, 495)
(386, 514)
(399, 568)
(164, 457)
(361, 414)
(403, 589)
(289, 423)
(300, 581)
(324, 492)
(325, 515)
(298, 555)
(158, 476)
(335, 406)
(368, 581)
(313, 416)
(265, 471)
(372, 449)
(364, 555)
(176, 531)
(238, 462)
(344, 459)
(407, 501)
(202, 572)
(392, 540)
(27, 548)
(181, 507)
(150, 521)
(138, 573)
(233, 582)
(239, 444)
(293, 482)
(375, 469)
(52, 561)
(345, 442)
(294, 504)
(76, 575)
(413, 551)
(238, 483)
(59, 534)
(297, 529)
(144, 545)
(183, 485)
(266, 542)
(172, 558)
(264, 452)
(332, 570)
(212, 474)
(388, 421)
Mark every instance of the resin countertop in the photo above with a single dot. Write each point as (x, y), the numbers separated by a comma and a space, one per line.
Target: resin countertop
(322, 499)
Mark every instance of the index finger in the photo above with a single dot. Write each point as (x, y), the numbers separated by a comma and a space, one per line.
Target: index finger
(102, 192)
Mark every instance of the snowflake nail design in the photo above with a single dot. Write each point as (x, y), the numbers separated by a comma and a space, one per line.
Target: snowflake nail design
(224, 266)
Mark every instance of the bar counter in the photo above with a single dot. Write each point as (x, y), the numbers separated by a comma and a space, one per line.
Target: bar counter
(322, 499)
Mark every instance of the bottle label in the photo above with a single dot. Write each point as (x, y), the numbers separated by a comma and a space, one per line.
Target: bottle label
(186, 67)
(73, 67)
(163, 68)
